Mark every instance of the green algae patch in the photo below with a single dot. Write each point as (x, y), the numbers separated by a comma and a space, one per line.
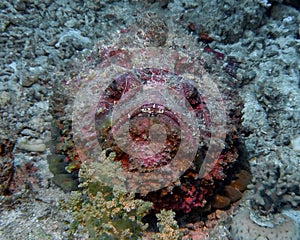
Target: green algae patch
(106, 213)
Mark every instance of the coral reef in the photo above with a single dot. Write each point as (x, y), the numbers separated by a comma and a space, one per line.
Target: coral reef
(256, 42)
(274, 187)
(104, 212)
(168, 227)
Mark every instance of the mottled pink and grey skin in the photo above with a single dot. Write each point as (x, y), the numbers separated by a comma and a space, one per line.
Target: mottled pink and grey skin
(190, 191)
(145, 117)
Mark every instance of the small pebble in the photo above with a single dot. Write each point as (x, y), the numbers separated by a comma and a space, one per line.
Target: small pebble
(31, 146)
(220, 202)
(296, 144)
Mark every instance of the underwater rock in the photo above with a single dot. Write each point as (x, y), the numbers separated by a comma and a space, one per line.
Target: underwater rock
(220, 202)
(57, 164)
(66, 181)
(232, 193)
(242, 181)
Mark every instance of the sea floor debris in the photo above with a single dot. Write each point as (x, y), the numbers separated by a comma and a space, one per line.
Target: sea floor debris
(256, 43)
